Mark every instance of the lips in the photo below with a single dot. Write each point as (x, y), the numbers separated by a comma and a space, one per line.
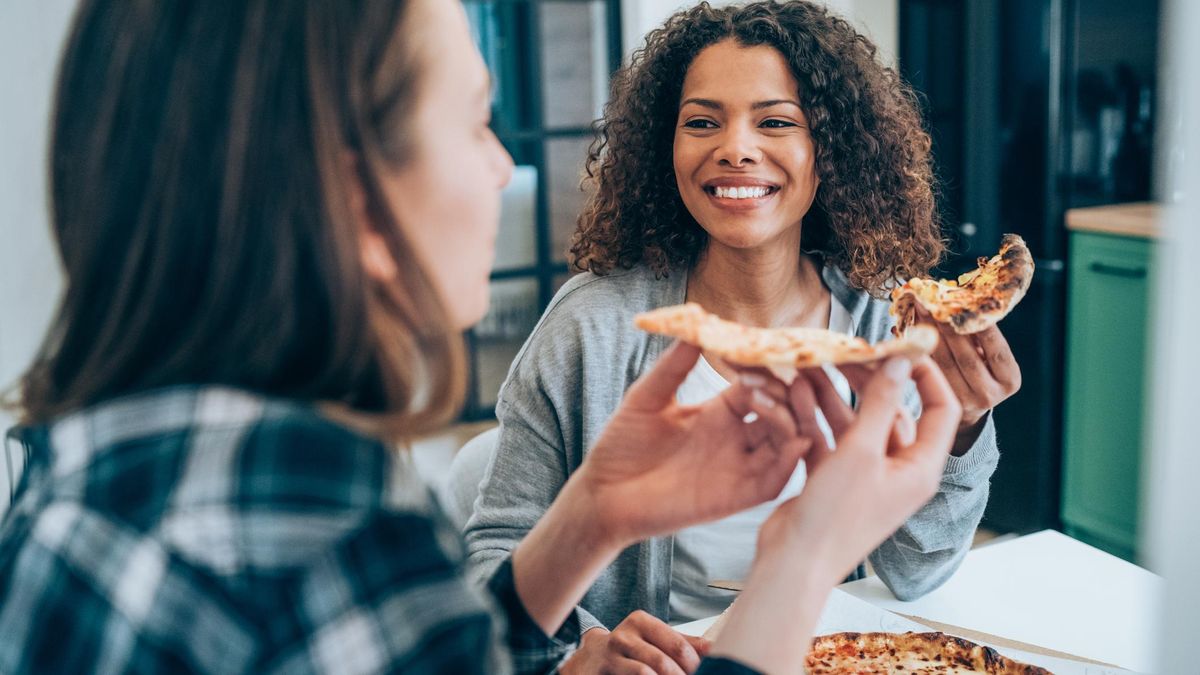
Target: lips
(739, 188)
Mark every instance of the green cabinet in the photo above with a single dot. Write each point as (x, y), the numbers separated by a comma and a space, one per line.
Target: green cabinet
(1108, 305)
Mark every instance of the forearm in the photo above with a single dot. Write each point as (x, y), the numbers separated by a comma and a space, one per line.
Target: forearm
(771, 625)
(561, 557)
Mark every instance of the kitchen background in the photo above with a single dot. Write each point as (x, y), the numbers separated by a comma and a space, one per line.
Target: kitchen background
(1037, 107)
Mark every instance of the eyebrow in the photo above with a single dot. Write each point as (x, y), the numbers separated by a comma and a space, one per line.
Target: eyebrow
(757, 105)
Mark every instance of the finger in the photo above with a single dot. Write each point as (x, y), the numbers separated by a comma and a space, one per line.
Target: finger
(637, 649)
(999, 358)
(656, 389)
(803, 400)
(770, 468)
(702, 645)
(837, 412)
(881, 400)
(623, 665)
(945, 361)
(771, 384)
(940, 415)
(774, 425)
(857, 374)
(904, 429)
(672, 643)
(962, 349)
(765, 419)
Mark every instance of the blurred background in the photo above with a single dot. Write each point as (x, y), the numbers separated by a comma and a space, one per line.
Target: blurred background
(1059, 120)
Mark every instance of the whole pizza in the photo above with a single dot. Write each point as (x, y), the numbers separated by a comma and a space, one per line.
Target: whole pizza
(977, 299)
(919, 653)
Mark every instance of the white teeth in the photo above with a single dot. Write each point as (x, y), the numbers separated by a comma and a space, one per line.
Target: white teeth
(741, 192)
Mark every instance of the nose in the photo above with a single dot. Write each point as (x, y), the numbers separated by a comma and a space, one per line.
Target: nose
(504, 164)
(738, 147)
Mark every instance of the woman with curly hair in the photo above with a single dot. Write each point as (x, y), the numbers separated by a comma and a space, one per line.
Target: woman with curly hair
(760, 161)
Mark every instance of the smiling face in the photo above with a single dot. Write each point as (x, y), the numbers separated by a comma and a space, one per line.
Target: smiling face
(743, 155)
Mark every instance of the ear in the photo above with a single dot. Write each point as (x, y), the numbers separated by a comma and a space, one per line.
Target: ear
(377, 260)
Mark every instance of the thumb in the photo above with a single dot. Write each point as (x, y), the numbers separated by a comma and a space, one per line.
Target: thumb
(879, 402)
(656, 389)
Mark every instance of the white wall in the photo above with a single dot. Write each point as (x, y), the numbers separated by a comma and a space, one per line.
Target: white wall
(877, 19)
(1172, 521)
(31, 33)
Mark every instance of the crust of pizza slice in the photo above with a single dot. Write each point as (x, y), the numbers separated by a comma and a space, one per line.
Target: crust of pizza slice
(977, 299)
(920, 653)
(782, 350)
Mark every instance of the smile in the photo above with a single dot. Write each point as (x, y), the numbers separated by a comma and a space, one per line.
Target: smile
(752, 192)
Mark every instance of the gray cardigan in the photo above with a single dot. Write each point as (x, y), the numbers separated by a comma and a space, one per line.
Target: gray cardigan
(568, 380)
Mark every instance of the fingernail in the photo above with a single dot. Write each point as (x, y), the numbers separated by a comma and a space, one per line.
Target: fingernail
(753, 380)
(897, 369)
(762, 399)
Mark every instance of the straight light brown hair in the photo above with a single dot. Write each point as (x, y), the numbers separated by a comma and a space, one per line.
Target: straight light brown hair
(200, 166)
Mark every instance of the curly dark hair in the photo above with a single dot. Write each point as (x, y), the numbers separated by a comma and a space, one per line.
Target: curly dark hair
(874, 214)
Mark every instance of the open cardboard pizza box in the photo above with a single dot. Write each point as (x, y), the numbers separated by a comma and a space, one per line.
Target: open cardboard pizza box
(844, 612)
(1044, 599)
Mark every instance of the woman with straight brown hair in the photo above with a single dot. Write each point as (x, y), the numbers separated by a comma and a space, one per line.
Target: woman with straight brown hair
(275, 221)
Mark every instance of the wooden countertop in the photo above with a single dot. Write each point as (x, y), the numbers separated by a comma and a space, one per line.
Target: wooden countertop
(1140, 219)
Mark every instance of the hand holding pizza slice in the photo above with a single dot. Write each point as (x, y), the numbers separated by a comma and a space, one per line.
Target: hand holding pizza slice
(972, 353)
(975, 301)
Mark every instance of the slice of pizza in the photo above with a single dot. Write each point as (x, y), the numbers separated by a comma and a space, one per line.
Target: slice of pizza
(930, 653)
(781, 350)
(977, 299)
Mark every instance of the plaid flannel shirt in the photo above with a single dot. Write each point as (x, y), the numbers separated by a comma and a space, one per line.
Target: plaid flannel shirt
(210, 530)
(203, 529)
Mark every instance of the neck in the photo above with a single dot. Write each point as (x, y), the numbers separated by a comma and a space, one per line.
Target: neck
(767, 287)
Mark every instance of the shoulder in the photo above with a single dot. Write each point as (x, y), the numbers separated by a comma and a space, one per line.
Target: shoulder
(267, 484)
(871, 318)
(589, 322)
(621, 293)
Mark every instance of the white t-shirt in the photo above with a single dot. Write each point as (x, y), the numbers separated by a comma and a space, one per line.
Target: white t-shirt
(724, 549)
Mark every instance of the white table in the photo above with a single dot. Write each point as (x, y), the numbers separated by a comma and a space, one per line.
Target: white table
(1045, 592)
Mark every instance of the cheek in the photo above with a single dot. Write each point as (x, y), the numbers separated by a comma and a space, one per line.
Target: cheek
(467, 241)
(451, 210)
(806, 160)
(686, 159)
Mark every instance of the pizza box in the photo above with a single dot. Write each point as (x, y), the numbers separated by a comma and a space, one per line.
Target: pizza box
(1044, 590)
(844, 612)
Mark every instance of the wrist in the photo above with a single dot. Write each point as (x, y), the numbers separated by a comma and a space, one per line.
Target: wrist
(968, 432)
(581, 503)
(585, 501)
(783, 549)
(560, 558)
(770, 625)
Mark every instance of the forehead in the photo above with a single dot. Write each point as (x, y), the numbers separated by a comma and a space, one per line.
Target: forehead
(731, 72)
(450, 59)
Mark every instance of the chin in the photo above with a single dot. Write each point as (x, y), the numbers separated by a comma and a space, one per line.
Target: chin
(471, 308)
(739, 239)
